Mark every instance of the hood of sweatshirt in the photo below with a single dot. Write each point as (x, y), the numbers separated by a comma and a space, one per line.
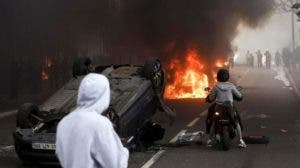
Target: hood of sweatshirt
(224, 86)
(93, 94)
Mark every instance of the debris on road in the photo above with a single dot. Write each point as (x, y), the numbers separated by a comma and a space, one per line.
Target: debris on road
(263, 127)
(284, 130)
(190, 138)
(256, 139)
(281, 76)
(263, 116)
(260, 116)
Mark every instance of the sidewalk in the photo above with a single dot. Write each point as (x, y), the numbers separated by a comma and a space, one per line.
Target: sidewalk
(7, 110)
(4, 114)
(294, 78)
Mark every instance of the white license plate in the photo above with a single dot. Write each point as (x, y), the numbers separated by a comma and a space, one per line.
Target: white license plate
(43, 146)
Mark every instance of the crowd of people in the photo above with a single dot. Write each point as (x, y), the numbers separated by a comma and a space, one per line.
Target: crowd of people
(291, 59)
(286, 57)
(262, 60)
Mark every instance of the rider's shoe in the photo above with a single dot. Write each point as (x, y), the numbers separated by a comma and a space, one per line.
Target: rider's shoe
(242, 144)
(209, 143)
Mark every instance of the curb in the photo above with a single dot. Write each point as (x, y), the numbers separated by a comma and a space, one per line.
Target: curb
(293, 83)
(8, 113)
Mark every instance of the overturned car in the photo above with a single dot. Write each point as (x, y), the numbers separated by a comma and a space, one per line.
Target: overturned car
(136, 95)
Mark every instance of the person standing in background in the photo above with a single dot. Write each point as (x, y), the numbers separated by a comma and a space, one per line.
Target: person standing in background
(268, 59)
(248, 58)
(231, 61)
(259, 59)
(251, 59)
(277, 58)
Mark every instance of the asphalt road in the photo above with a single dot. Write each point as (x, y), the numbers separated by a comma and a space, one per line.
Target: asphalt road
(270, 108)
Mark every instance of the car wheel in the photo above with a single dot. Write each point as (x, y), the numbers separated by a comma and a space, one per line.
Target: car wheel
(113, 117)
(81, 66)
(18, 151)
(24, 116)
(154, 72)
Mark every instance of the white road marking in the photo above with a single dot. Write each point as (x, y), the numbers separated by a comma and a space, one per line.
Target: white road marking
(192, 123)
(154, 158)
(203, 113)
(6, 149)
(284, 130)
(263, 127)
(173, 140)
(8, 113)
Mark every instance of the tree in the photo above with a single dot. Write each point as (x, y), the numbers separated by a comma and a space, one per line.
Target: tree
(288, 6)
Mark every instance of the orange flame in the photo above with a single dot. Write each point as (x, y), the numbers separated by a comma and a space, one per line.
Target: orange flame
(189, 79)
(44, 75)
(47, 65)
(48, 62)
(221, 64)
(226, 63)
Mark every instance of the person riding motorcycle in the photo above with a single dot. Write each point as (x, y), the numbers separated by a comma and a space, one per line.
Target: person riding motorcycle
(223, 93)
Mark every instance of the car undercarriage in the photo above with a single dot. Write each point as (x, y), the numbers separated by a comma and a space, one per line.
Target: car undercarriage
(136, 95)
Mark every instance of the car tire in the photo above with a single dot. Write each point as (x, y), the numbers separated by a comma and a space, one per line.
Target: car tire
(24, 118)
(154, 72)
(114, 118)
(81, 66)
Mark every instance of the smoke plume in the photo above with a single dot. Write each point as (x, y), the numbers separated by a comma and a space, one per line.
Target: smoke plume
(172, 26)
(113, 31)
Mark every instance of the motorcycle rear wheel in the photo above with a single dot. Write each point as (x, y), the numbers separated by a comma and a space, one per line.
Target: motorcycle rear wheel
(225, 139)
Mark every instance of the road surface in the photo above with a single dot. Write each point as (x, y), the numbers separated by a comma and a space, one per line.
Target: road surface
(270, 108)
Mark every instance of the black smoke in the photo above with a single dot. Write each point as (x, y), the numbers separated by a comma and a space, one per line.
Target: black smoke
(111, 31)
(172, 26)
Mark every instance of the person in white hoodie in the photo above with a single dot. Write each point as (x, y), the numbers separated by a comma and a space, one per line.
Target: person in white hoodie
(85, 138)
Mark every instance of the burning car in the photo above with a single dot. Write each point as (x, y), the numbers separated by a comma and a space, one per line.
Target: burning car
(189, 74)
(136, 95)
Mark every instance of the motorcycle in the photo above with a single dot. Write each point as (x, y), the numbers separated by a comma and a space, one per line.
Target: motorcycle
(223, 126)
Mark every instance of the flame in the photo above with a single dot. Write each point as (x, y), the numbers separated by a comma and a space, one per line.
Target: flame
(188, 76)
(189, 79)
(221, 64)
(44, 75)
(226, 63)
(48, 62)
(47, 65)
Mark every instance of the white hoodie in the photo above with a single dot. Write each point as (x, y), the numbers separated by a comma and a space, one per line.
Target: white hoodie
(85, 138)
